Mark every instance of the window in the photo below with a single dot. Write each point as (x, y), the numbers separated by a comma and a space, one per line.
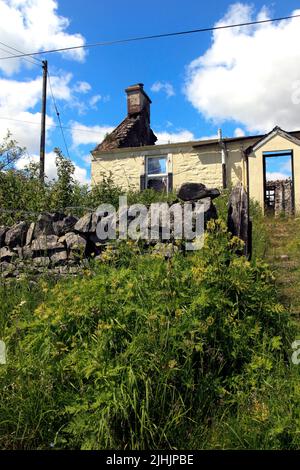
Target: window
(270, 197)
(157, 173)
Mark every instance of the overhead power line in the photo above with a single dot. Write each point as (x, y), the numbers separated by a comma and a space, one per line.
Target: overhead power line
(58, 115)
(153, 36)
(38, 61)
(89, 131)
(33, 61)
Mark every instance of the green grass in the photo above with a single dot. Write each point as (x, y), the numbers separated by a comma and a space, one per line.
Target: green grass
(143, 353)
(283, 254)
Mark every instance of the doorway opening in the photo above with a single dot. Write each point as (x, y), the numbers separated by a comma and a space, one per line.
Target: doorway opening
(278, 182)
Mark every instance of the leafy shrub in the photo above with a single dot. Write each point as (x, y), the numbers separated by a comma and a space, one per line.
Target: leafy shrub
(140, 352)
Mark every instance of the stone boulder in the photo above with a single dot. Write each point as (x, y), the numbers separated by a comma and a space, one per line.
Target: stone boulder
(74, 242)
(25, 252)
(65, 225)
(59, 258)
(7, 269)
(46, 243)
(84, 224)
(87, 223)
(16, 236)
(196, 191)
(45, 223)
(6, 254)
(42, 262)
(30, 232)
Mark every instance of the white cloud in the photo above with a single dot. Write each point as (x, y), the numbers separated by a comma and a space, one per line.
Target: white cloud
(286, 166)
(173, 137)
(87, 159)
(18, 100)
(276, 175)
(94, 101)
(80, 173)
(238, 132)
(166, 87)
(35, 25)
(84, 135)
(248, 74)
(209, 137)
(82, 87)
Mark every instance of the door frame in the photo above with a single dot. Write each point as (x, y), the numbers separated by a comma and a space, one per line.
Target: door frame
(274, 154)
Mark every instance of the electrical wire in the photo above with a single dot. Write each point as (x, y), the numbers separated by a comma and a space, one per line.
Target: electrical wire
(58, 115)
(37, 61)
(18, 50)
(153, 36)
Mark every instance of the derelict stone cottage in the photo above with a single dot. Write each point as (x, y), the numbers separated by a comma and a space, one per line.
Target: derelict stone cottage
(130, 155)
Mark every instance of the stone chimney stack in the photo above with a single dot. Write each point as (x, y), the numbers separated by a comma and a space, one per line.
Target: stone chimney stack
(137, 101)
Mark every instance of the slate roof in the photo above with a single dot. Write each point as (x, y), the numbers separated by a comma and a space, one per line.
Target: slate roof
(133, 131)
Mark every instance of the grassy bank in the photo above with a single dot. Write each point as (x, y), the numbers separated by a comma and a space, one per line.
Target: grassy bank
(144, 353)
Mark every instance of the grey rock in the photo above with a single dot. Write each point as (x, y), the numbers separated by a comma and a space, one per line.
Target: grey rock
(64, 269)
(87, 223)
(84, 224)
(46, 243)
(7, 270)
(6, 267)
(65, 225)
(16, 236)
(30, 233)
(73, 269)
(75, 242)
(45, 223)
(59, 258)
(25, 252)
(195, 191)
(41, 262)
(6, 254)
(94, 222)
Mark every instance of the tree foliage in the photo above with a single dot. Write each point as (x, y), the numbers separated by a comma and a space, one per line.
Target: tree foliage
(10, 152)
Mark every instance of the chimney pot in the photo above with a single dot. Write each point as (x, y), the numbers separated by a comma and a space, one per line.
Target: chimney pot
(137, 100)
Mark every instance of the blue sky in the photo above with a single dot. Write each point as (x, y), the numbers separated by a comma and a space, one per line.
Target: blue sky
(278, 168)
(245, 80)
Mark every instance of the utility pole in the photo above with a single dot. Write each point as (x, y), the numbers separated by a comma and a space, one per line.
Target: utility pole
(43, 121)
(224, 154)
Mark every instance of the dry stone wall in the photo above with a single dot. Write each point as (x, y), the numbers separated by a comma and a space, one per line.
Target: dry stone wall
(63, 244)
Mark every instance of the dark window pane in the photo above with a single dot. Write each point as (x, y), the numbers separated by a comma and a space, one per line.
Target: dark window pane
(158, 184)
(157, 165)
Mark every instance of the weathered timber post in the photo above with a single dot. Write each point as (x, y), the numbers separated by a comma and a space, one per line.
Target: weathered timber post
(43, 122)
(239, 223)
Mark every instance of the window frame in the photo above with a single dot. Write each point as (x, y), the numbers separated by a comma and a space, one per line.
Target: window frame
(157, 176)
(273, 154)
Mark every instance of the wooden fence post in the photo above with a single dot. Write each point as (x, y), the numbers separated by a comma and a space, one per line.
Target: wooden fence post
(238, 222)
